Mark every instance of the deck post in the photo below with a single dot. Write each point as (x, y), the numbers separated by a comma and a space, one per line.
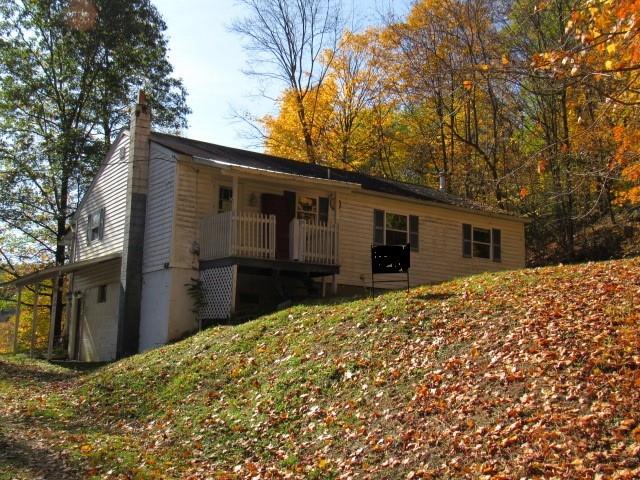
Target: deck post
(16, 329)
(68, 314)
(34, 318)
(235, 194)
(334, 284)
(74, 327)
(235, 198)
(54, 312)
(234, 281)
(324, 286)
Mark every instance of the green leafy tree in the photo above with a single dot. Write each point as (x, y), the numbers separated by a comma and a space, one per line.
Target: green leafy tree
(69, 69)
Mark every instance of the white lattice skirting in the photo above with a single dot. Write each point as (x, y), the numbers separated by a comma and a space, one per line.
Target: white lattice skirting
(218, 290)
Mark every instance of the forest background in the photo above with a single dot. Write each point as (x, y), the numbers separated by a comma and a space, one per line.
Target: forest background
(531, 106)
(527, 105)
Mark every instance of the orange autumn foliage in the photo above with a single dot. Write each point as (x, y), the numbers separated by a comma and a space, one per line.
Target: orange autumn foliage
(609, 55)
(627, 158)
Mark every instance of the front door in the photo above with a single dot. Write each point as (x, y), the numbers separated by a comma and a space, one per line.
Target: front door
(283, 207)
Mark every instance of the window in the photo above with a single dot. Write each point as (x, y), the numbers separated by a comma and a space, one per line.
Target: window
(95, 226)
(313, 209)
(102, 294)
(307, 209)
(481, 242)
(225, 199)
(395, 229)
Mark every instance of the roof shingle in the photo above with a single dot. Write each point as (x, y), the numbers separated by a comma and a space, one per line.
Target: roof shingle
(284, 165)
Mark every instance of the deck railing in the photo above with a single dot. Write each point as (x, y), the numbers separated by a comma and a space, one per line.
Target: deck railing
(313, 242)
(248, 234)
(241, 234)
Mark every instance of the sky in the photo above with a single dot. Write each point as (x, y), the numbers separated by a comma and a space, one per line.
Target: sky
(209, 59)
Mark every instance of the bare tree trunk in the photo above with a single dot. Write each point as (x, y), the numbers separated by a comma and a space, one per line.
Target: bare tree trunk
(306, 131)
(292, 38)
(569, 194)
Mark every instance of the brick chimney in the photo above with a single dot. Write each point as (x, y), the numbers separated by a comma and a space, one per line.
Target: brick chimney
(136, 207)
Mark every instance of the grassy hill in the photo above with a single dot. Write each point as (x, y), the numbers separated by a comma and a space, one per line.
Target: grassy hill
(527, 374)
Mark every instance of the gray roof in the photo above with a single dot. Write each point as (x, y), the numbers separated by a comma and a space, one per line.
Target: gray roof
(284, 165)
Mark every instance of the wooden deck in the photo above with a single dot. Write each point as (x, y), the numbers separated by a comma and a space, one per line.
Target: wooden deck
(252, 235)
(312, 269)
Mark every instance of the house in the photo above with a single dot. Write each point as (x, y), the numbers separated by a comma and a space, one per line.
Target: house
(170, 224)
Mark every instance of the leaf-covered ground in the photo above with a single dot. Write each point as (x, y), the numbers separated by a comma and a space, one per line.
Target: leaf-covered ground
(527, 374)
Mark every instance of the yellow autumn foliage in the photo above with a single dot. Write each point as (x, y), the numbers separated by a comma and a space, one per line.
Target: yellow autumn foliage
(7, 328)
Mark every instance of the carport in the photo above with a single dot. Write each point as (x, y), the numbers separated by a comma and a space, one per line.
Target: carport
(36, 282)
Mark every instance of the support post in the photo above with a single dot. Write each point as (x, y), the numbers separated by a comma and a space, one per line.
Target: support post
(235, 194)
(235, 197)
(68, 315)
(54, 314)
(234, 281)
(334, 284)
(34, 318)
(324, 287)
(373, 284)
(16, 329)
(73, 327)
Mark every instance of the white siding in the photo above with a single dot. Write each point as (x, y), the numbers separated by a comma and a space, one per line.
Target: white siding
(440, 231)
(182, 318)
(108, 191)
(167, 308)
(193, 201)
(154, 313)
(160, 208)
(168, 265)
(159, 225)
(440, 228)
(98, 321)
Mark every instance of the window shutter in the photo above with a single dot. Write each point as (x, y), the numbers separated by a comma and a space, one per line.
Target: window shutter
(496, 243)
(414, 234)
(88, 229)
(378, 227)
(102, 216)
(323, 209)
(466, 240)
